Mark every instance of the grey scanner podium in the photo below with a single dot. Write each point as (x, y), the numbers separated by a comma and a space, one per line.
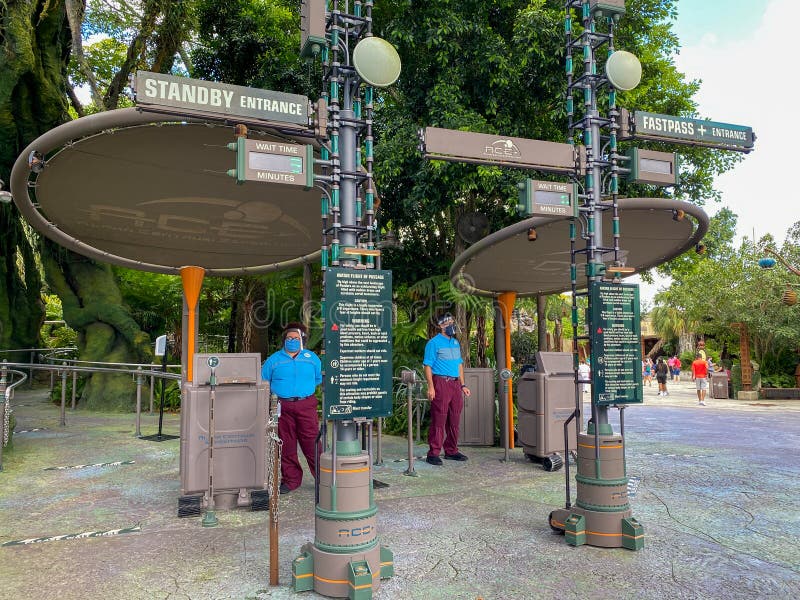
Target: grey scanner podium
(545, 399)
(241, 412)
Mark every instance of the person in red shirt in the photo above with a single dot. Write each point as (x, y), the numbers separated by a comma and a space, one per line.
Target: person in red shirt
(700, 378)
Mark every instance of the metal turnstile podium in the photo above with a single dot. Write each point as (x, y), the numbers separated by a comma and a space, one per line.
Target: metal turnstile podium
(241, 411)
(545, 399)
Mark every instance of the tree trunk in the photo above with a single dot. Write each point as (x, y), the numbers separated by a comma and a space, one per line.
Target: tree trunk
(307, 287)
(93, 307)
(480, 340)
(558, 344)
(21, 306)
(235, 301)
(36, 39)
(34, 50)
(685, 343)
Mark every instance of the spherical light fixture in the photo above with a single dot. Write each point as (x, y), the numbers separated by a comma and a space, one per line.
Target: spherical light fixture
(624, 70)
(376, 61)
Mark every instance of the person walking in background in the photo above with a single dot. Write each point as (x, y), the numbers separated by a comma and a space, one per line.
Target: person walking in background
(701, 349)
(584, 375)
(294, 373)
(662, 370)
(648, 372)
(444, 372)
(671, 367)
(677, 368)
(700, 378)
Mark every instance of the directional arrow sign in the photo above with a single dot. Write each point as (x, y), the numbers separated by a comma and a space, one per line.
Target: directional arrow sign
(695, 132)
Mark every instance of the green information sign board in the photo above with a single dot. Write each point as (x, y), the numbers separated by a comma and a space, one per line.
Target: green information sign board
(358, 344)
(616, 335)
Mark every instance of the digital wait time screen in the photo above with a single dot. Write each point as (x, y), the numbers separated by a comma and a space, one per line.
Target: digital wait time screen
(278, 162)
(281, 163)
(651, 165)
(552, 198)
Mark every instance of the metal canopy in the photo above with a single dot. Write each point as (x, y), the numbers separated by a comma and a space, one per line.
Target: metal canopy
(506, 261)
(144, 191)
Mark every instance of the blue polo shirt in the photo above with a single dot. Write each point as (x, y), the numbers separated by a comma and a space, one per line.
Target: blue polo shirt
(443, 356)
(289, 377)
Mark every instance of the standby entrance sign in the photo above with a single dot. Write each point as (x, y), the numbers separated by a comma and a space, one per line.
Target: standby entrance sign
(185, 96)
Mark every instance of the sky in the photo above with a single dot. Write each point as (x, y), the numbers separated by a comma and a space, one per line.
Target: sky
(741, 51)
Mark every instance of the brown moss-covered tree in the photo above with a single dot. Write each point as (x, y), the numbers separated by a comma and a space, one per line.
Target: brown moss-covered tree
(34, 46)
(36, 39)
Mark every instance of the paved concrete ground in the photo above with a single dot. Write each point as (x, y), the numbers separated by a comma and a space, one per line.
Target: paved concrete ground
(718, 494)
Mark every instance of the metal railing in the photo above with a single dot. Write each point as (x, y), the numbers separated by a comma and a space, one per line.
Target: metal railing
(33, 352)
(6, 393)
(64, 366)
(52, 361)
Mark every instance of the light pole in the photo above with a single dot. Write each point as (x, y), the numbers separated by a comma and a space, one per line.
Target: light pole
(345, 555)
(601, 515)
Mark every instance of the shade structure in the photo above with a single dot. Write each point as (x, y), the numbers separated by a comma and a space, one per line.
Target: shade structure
(150, 191)
(508, 261)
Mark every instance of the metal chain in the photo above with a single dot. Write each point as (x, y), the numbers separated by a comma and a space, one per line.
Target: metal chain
(274, 449)
(6, 423)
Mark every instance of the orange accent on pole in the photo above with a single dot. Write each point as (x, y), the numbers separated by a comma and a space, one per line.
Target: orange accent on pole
(192, 278)
(506, 301)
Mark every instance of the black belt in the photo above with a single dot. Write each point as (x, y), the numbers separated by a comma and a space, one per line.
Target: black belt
(446, 378)
(293, 399)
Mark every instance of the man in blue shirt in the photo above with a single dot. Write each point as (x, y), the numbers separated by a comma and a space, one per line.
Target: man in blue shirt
(444, 371)
(293, 374)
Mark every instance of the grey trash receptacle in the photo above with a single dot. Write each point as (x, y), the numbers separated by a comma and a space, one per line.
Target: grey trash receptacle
(719, 385)
(545, 400)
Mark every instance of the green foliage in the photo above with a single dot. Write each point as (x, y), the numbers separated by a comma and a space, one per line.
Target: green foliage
(777, 380)
(726, 286)
(252, 43)
(687, 358)
(59, 336)
(523, 347)
(155, 300)
(52, 307)
(497, 67)
(172, 394)
(104, 56)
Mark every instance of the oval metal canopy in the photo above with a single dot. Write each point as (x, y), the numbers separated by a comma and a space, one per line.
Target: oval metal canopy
(143, 191)
(506, 261)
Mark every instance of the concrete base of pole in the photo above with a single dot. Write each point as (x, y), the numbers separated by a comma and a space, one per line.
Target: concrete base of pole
(345, 560)
(748, 395)
(601, 515)
(601, 529)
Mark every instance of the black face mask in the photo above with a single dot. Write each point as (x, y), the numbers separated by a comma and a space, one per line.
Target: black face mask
(450, 330)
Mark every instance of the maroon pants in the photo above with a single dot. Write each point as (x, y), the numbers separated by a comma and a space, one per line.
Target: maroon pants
(298, 424)
(445, 416)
